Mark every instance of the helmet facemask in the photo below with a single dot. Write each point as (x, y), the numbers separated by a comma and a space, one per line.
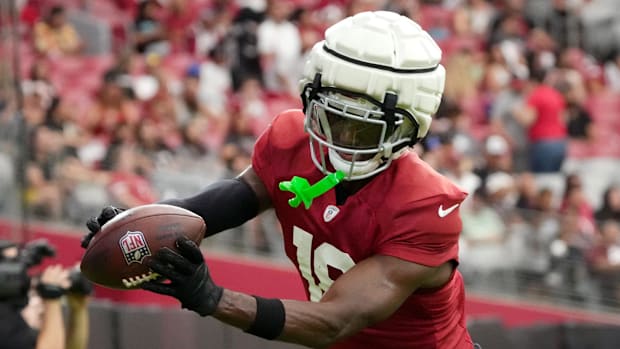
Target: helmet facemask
(360, 135)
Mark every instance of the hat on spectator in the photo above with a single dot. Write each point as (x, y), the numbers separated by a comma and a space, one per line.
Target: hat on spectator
(499, 181)
(193, 71)
(496, 145)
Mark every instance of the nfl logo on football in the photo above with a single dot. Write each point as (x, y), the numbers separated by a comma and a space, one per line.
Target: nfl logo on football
(134, 247)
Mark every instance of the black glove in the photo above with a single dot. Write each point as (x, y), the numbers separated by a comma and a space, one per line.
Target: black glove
(189, 277)
(94, 224)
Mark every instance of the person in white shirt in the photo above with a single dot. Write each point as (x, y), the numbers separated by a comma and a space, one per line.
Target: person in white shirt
(279, 46)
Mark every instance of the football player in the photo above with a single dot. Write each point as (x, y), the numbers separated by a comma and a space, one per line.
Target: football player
(372, 229)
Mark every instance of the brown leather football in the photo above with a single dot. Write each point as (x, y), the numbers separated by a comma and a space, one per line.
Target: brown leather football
(115, 256)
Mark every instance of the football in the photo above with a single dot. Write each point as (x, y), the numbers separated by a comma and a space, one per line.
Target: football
(115, 256)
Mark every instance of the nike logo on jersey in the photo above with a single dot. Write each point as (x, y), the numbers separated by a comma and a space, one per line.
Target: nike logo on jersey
(330, 212)
(442, 213)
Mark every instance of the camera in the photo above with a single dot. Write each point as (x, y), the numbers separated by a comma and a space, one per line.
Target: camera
(14, 278)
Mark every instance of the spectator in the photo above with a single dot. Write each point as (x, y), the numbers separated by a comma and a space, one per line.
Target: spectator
(249, 109)
(497, 74)
(528, 192)
(61, 118)
(160, 109)
(39, 83)
(195, 140)
(54, 36)
(509, 22)
(212, 26)
(34, 107)
(568, 252)
(612, 71)
(541, 51)
(483, 237)
(578, 119)
(575, 201)
(604, 261)
(610, 210)
(128, 188)
(564, 24)
(149, 33)
(150, 140)
(502, 194)
(479, 14)
(541, 228)
(44, 193)
(188, 104)
(279, 58)
(463, 75)
(242, 45)
(505, 124)
(357, 6)
(496, 158)
(191, 104)
(178, 20)
(543, 116)
(112, 108)
(215, 83)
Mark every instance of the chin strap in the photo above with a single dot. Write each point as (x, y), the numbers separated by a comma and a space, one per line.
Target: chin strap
(304, 192)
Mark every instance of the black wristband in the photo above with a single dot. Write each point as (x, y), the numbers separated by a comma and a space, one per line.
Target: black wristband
(47, 291)
(270, 318)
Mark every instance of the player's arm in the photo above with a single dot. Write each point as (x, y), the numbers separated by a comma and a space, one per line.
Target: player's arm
(228, 203)
(368, 293)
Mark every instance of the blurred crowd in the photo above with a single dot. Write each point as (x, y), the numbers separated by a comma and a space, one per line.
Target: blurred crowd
(128, 102)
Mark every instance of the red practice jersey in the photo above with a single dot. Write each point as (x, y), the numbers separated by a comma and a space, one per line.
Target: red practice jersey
(408, 211)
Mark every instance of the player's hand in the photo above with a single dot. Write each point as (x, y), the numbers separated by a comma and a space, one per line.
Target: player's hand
(189, 277)
(94, 224)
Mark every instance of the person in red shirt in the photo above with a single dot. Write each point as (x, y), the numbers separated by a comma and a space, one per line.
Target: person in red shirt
(372, 229)
(543, 115)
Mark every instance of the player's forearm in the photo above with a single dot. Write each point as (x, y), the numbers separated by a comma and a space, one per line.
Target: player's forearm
(223, 205)
(316, 325)
(52, 334)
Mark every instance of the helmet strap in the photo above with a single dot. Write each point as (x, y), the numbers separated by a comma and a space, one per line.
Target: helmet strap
(311, 90)
(389, 110)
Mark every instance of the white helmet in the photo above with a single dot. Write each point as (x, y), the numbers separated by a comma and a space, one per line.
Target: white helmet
(369, 91)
